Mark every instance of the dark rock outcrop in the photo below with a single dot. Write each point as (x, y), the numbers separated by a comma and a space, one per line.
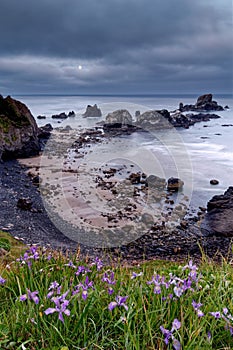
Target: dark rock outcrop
(214, 182)
(62, 115)
(18, 130)
(219, 218)
(203, 103)
(92, 112)
(174, 184)
(45, 131)
(180, 120)
(41, 117)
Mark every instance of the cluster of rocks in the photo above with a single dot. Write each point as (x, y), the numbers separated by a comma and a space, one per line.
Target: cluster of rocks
(203, 103)
(180, 120)
(62, 115)
(163, 119)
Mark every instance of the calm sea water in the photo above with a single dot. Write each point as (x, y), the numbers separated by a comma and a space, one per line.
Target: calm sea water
(201, 153)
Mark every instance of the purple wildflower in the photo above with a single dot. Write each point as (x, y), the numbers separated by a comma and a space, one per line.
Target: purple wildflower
(176, 324)
(82, 270)
(167, 334)
(53, 285)
(109, 277)
(60, 307)
(2, 280)
(209, 336)
(30, 296)
(110, 291)
(23, 297)
(120, 301)
(196, 307)
(54, 288)
(178, 291)
(217, 314)
(200, 313)
(135, 275)
(84, 287)
(176, 344)
(190, 266)
(70, 264)
(98, 263)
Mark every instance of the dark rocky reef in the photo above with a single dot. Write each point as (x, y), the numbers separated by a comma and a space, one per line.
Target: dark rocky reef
(18, 130)
(92, 112)
(204, 103)
(62, 115)
(180, 120)
(219, 218)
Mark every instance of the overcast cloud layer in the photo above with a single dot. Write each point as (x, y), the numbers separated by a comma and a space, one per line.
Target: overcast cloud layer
(116, 46)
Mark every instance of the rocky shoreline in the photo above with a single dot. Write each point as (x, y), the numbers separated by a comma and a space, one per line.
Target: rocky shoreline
(23, 190)
(33, 226)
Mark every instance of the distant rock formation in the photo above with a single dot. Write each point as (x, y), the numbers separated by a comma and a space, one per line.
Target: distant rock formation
(18, 130)
(120, 116)
(92, 112)
(219, 218)
(204, 103)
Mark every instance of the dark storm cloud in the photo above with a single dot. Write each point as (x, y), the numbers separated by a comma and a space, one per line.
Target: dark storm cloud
(121, 44)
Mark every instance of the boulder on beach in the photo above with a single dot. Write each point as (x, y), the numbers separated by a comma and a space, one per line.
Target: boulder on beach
(92, 112)
(153, 120)
(156, 182)
(218, 220)
(174, 184)
(120, 116)
(18, 130)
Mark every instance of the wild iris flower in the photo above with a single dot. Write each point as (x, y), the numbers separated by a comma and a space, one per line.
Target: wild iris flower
(109, 277)
(30, 296)
(197, 307)
(60, 307)
(120, 301)
(176, 324)
(2, 280)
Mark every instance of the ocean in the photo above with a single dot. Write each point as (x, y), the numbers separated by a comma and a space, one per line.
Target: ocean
(196, 155)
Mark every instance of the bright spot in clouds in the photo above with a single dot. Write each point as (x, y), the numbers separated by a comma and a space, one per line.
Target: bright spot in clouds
(80, 67)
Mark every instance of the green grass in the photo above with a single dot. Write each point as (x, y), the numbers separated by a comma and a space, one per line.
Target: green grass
(134, 325)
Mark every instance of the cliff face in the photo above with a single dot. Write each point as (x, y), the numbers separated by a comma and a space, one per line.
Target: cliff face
(18, 130)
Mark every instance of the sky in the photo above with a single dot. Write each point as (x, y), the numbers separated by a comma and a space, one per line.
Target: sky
(116, 46)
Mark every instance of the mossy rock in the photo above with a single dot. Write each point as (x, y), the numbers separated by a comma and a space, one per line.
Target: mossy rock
(14, 112)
